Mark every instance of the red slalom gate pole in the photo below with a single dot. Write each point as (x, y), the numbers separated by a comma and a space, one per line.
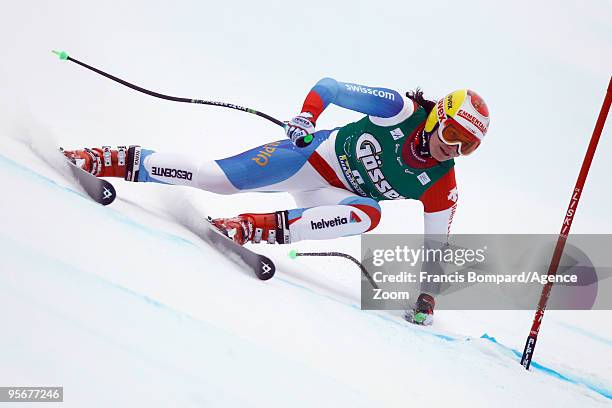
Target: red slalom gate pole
(565, 229)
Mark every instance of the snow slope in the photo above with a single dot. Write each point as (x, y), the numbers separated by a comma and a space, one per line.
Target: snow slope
(125, 306)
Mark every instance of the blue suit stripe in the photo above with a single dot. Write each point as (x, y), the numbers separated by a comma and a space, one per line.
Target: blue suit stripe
(361, 201)
(143, 174)
(327, 89)
(374, 101)
(269, 164)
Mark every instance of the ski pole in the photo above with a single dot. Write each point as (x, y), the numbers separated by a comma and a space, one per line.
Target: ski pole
(294, 254)
(65, 57)
(565, 229)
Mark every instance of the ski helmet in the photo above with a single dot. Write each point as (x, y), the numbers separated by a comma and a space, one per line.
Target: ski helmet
(461, 118)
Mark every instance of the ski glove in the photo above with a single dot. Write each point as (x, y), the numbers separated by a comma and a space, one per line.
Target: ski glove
(300, 129)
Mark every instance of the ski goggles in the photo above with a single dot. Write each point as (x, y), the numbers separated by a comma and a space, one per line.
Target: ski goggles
(453, 134)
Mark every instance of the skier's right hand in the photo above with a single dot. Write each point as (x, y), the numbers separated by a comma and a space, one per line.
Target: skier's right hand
(300, 129)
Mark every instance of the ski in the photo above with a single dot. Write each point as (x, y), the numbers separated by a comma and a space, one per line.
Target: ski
(98, 189)
(261, 265)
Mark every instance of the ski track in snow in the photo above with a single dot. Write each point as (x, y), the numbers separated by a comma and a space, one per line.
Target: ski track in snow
(65, 315)
(199, 342)
(592, 336)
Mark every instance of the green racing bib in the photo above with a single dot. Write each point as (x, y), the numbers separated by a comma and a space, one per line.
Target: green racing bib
(371, 159)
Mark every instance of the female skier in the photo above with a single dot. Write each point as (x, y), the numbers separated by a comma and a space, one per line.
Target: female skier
(402, 149)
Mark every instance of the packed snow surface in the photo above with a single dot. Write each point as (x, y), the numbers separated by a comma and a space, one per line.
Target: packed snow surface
(125, 306)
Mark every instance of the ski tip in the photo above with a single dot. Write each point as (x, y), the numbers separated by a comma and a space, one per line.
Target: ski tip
(293, 254)
(63, 55)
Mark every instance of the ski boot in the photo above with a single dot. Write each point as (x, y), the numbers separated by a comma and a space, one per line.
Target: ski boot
(270, 227)
(104, 162)
(423, 310)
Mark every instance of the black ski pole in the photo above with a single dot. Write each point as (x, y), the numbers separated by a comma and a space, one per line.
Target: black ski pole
(64, 56)
(294, 254)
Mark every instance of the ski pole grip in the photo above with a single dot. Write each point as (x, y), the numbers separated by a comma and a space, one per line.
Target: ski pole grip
(304, 141)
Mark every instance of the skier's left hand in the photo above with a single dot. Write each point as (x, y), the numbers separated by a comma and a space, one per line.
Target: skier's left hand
(300, 129)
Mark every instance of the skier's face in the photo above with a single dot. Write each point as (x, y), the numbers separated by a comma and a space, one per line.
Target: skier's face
(440, 150)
